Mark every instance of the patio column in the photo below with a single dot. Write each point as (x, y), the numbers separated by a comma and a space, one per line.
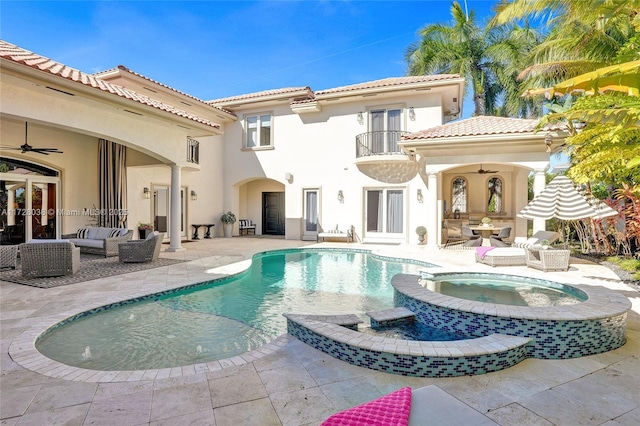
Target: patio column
(176, 206)
(432, 220)
(539, 183)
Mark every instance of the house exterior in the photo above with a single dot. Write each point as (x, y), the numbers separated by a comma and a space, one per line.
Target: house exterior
(384, 156)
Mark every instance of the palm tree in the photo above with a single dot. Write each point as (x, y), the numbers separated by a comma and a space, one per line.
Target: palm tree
(582, 35)
(489, 60)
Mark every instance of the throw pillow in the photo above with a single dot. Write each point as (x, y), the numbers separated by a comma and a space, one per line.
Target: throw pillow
(82, 233)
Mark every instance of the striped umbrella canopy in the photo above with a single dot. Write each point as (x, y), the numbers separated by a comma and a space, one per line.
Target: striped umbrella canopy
(560, 199)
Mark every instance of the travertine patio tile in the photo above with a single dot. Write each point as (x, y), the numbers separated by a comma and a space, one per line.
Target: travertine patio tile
(256, 412)
(233, 389)
(180, 400)
(132, 409)
(302, 406)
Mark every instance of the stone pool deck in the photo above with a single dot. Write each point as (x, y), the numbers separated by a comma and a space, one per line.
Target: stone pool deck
(287, 382)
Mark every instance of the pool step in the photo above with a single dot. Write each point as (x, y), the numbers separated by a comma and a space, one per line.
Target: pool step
(349, 321)
(393, 316)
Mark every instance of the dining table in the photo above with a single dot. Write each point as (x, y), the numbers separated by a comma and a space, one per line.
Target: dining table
(486, 232)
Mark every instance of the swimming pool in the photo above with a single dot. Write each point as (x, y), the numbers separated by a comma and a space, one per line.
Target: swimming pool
(225, 317)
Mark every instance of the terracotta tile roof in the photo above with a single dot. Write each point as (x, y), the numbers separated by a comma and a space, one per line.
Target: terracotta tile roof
(477, 126)
(18, 55)
(390, 82)
(263, 94)
(129, 70)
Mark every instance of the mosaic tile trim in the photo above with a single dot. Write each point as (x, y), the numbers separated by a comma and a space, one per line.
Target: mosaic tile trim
(595, 326)
(410, 358)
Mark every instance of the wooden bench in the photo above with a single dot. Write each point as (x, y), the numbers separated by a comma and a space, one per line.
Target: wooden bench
(246, 225)
(338, 232)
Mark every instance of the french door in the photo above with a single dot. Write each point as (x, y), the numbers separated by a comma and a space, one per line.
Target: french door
(311, 198)
(385, 213)
(162, 210)
(30, 208)
(385, 127)
(273, 213)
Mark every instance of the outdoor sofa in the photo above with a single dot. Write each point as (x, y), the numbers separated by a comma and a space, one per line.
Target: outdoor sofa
(100, 240)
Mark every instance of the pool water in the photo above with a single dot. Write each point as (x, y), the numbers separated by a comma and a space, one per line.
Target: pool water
(413, 331)
(227, 317)
(503, 289)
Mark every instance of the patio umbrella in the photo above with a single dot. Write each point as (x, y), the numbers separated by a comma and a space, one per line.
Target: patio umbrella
(560, 199)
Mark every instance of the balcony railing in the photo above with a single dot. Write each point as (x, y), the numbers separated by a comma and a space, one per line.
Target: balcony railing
(378, 143)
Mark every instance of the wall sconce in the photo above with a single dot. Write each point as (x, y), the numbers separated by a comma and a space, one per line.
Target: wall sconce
(412, 114)
(360, 117)
(146, 193)
(548, 141)
(341, 196)
(288, 177)
(194, 195)
(420, 196)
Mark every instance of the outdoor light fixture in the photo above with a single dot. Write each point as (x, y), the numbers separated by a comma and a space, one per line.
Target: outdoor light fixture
(412, 114)
(360, 117)
(548, 140)
(288, 177)
(146, 193)
(341, 196)
(194, 195)
(420, 197)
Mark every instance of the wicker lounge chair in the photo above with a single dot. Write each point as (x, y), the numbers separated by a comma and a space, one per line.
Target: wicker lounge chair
(138, 251)
(515, 255)
(49, 258)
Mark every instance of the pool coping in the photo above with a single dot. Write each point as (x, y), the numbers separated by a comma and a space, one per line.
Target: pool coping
(23, 351)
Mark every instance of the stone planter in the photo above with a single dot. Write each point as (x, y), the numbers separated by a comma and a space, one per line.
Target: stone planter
(228, 229)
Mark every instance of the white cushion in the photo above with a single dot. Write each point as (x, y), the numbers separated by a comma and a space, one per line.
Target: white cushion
(123, 232)
(48, 241)
(152, 235)
(85, 242)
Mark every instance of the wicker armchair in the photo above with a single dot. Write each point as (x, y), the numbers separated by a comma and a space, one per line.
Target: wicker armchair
(49, 258)
(8, 256)
(138, 251)
(547, 260)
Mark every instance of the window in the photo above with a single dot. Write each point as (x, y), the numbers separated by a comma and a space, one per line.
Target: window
(494, 204)
(385, 127)
(459, 195)
(193, 151)
(258, 131)
(385, 210)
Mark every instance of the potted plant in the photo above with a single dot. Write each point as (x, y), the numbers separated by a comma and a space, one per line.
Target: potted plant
(421, 231)
(545, 244)
(486, 221)
(228, 219)
(143, 229)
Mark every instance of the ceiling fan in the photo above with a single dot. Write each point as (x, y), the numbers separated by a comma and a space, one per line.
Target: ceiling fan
(28, 148)
(482, 171)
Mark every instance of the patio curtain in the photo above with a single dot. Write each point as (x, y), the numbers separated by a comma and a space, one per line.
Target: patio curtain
(112, 172)
(394, 211)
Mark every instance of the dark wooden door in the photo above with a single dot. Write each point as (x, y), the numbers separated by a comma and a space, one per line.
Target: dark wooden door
(273, 213)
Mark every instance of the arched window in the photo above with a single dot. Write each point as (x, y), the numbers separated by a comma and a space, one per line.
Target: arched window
(494, 203)
(459, 195)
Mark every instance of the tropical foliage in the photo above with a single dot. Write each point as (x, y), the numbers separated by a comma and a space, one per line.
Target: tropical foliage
(490, 59)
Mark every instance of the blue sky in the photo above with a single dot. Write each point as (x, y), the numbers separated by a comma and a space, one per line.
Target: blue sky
(214, 49)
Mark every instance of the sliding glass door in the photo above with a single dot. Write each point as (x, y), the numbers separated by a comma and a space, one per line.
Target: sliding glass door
(310, 214)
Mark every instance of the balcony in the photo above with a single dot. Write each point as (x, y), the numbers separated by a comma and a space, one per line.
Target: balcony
(380, 145)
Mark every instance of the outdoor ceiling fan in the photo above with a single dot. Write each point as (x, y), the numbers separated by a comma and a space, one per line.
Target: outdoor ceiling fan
(28, 148)
(482, 171)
